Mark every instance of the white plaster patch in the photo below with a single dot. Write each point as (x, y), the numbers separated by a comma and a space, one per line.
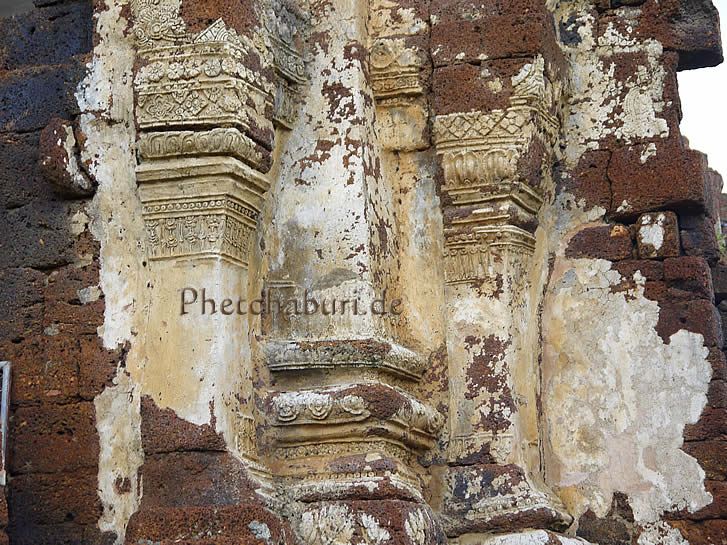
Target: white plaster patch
(79, 222)
(529, 537)
(661, 533)
(625, 206)
(118, 421)
(260, 530)
(374, 534)
(89, 294)
(649, 151)
(651, 232)
(616, 397)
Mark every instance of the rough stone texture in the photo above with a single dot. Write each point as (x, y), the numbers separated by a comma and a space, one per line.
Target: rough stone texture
(510, 175)
(51, 305)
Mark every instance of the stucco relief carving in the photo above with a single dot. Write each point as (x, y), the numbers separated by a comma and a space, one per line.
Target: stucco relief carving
(203, 82)
(398, 81)
(396, 70)
(157, 21)
(182, 227)
(285, 26)
(413, 423)
(221, 141)
(480, 149)
(282, 355)
(201, 188)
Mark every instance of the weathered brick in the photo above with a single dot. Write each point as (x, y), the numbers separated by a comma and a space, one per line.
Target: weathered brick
(163, 431)
(53, 438)
(199, 479)
(55, 498)
(711, 455)
(698, 316)
(708, 532)
(495, 30)
(711, 425)
(688, 276)
(672, 179)
(611, 242)
(21, 303)
(46, 36)
(698, 236)
(39, 236)
(45, 369)
(20, 180)
(31, 97)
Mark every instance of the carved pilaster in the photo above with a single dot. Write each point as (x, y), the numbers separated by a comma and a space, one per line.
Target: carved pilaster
(398, 80)
(284, 24)
(201, 189)
(204, 107)
(495, 166)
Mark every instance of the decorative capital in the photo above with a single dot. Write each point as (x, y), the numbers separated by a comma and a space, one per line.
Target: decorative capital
(396, 70)
(482, 153)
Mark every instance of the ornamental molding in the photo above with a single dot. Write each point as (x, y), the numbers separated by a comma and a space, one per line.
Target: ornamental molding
(351, 412)
(347, 448)
(393, 359)
(508, 496)
(200, 208)
(202, 83)
(214, 226)
(222, 141)
(499, 445)
(468, 256)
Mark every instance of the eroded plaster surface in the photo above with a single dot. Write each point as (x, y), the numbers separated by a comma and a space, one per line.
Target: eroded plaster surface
(616, 397)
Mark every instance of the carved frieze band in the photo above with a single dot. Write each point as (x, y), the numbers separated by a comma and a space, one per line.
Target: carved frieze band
(371, 353)
(347, 448)
(205, 227)
(200, 84)
(468, 256)
(353, 409)
(172, 144)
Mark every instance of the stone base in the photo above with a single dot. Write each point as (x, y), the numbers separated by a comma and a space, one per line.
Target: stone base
(529, 537)
(370, 523)
(492, 497)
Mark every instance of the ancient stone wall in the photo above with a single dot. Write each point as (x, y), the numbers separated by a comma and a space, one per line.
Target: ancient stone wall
(508, 175)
